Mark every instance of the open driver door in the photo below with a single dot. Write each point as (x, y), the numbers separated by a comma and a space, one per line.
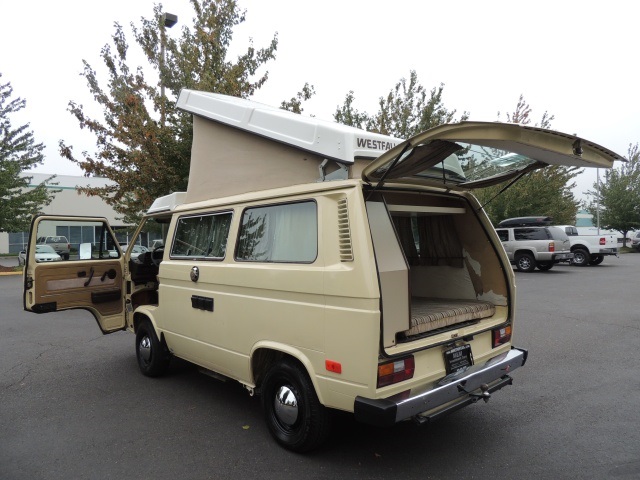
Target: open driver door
(91, 279)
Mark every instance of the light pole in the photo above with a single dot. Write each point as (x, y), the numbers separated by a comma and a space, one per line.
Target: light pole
(168, 20)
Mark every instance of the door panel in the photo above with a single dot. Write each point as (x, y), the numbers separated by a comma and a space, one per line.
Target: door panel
(95, 284)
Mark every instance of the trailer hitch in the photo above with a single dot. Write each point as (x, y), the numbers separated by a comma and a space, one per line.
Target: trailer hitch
(484, 395)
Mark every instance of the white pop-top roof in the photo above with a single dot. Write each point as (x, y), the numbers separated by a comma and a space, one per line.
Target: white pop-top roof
(328, 139)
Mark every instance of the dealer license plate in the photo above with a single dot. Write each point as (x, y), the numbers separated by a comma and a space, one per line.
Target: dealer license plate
(458, 358)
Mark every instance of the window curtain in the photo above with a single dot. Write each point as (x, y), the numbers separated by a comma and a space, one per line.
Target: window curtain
(438, 240)
(404, 228)
(281, 233)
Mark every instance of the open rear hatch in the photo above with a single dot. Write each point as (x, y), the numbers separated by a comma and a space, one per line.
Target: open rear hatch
(479, 154)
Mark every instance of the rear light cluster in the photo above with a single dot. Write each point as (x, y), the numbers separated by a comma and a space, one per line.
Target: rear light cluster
(603, 241)
(501, 335)
(395, 371)
(552, 247)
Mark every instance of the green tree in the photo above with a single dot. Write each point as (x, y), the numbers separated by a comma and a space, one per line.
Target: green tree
(409, 108)
(143, 143)
(618, 196)
(541, 192)
(18, 152)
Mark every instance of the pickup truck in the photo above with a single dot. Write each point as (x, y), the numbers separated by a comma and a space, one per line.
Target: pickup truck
(590, 249)
(59, 243)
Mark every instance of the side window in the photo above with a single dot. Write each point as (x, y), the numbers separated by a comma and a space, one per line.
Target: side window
(531, 234)
(201, 236)
(504, 235)
(279, 233)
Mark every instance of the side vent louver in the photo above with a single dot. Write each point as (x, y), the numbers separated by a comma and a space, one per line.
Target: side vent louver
(344, 232)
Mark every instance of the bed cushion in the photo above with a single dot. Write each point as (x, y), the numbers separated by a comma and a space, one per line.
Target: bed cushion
(433, 313)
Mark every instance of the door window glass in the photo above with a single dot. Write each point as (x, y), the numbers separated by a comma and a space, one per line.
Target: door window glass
(65, 236)
(279, 233)
(504, 235)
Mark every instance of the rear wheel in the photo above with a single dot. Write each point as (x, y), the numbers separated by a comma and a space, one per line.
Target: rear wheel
(596, 260)
(525, 262)
(581, 257)
(544, 266)
(153, 359)
(294, 415)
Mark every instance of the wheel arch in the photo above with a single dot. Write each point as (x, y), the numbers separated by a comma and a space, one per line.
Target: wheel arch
(527, 251)
(266, 354)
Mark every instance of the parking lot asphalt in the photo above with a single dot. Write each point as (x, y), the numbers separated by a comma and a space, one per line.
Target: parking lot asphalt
(74, 405)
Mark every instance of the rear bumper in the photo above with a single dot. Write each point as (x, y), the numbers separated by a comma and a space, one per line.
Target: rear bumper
(608, 251)
(562, 257)
(444, 396)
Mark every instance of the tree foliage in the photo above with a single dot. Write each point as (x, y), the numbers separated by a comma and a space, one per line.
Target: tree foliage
(409, 108)
(618, 195)
(541, 192)
(18, 152)
(143, 143)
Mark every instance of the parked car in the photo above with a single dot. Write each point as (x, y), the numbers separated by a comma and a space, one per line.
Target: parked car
(635, 241)
(530, 247)
(44, 253)
(137, 250)
(59, 243)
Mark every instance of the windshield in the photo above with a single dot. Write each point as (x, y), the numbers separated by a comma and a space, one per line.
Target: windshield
(476, 162)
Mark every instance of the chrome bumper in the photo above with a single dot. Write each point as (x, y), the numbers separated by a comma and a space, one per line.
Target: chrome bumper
(444, 396)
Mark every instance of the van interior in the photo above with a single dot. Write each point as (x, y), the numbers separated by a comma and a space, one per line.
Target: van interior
(432, 251)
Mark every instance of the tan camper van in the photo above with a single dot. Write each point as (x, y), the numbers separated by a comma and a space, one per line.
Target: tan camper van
(321, 266)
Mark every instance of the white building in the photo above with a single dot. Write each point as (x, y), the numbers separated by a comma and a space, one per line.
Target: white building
(68, 201)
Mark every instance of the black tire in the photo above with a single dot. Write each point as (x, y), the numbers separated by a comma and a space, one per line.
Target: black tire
(596, 260)
(544, 266)
(581, 257)
(294, 415)
(525, 262)
(153, 359)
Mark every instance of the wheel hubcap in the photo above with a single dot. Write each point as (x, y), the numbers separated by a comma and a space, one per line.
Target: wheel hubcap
(145, 348)
(286, 406)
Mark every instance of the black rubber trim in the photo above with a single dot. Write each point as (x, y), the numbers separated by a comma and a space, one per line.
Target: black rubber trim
(381, 412)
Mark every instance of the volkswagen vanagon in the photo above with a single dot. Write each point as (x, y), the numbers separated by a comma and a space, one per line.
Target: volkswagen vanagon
(321, 266)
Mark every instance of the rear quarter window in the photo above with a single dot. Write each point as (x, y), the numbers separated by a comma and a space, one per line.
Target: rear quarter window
(504, 235)
(279, 233)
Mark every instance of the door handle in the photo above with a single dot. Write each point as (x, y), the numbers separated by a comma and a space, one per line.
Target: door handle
(91, 272)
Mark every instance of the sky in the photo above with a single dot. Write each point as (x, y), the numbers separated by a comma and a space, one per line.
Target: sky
(576, 60)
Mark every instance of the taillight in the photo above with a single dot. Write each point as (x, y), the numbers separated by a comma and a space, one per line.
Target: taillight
(501, 335)
(395, 371)
(602, 241)
(552, 247)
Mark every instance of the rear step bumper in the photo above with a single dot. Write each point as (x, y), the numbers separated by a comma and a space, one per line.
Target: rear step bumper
(444, 396)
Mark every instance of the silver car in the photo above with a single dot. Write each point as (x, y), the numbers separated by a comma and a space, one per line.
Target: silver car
(44, 253)
(531, 247)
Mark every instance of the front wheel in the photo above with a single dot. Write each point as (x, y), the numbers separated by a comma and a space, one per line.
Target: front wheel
(596, 260)
(294, 415)
(153, 360)
(581, 257)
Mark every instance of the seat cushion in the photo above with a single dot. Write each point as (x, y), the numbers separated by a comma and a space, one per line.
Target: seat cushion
(433, 313)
